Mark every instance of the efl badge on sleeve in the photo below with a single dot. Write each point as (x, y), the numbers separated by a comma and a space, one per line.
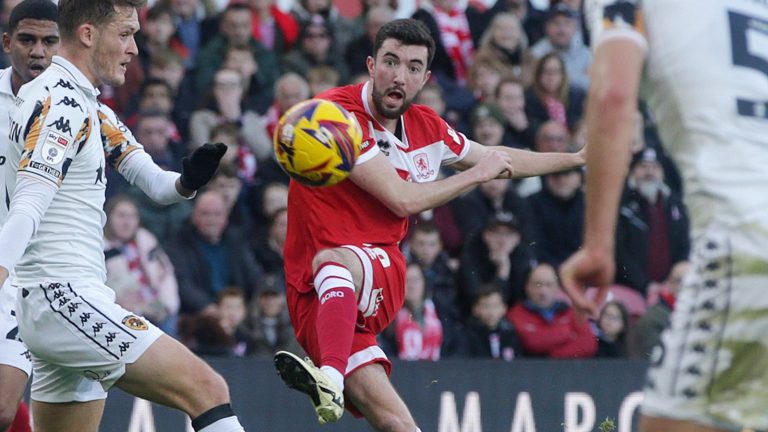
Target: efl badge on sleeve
(134, 322)
(53, 147)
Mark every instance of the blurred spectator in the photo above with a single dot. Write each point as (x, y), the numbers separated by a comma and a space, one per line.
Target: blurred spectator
(322, 78)
(268, 250)
(156, 95)
(6, 6)
(547, 326)
(235, 32)
(648, 329)
(154, 131)
(361, 47)
(484, 76)
(225, 106)
(232, 312)
(268, 325)
(290, 89)
(652, 232)
(416, 331)
(551, 97)
(315, 47)
(425, 248)
(562, 38)
(167, 65)
(488, 124)
(138, 270)
(274, 28)
(559, 221)
(489, 333)
(265, 203)
(156, 35)
(505, 41)
(241, 59)
(227, 183)
(612, 329)
(552, 137)
(454, 48)
(209, 257)
(510, 97)
(238, 154)
(433, 96)
(342, 29)
(532, 19)
(474, 209)
(188, 16)
(495, 255)
(444, 218)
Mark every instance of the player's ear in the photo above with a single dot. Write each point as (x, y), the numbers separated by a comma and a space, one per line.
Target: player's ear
(6, 43)
(86, 34)
(426, 77)
(370, 62)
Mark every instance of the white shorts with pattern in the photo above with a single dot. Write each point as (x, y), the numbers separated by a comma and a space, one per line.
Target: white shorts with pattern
(712, 367)
(80, 339)
(13, 352)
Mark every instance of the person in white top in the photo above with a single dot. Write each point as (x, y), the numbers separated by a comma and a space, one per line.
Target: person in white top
(703, 69)
(31, 40)
(82, 343)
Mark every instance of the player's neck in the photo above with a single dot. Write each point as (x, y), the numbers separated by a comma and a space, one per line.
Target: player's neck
(79, 58)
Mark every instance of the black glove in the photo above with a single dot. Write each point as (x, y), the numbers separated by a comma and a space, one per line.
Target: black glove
(198, 168)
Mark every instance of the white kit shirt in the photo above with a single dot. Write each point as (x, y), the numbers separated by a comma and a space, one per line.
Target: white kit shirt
(709, 94)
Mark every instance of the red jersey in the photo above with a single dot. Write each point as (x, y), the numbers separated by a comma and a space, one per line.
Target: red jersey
(331, 216)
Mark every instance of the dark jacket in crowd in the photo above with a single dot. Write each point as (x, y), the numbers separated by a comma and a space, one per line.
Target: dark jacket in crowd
(193, 271)
(557, 226)
(499, 343)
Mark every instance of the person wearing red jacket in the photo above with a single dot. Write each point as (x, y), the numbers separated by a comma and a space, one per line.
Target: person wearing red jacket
(548, 327)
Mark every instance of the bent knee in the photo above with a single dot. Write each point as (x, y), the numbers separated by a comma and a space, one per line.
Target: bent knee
(342, 256)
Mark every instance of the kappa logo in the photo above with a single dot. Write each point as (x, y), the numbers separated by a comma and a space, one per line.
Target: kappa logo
(62, 125)
(135, 323)
(67, 101)
(65, 84)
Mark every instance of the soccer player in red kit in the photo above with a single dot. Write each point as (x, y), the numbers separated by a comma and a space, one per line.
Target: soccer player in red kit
(344, 270)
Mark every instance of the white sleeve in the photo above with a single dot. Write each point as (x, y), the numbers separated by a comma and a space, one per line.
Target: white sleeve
(160, 185)
(29, 203)
(610, 19)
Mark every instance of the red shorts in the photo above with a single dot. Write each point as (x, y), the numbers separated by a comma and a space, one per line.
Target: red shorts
(379, 300)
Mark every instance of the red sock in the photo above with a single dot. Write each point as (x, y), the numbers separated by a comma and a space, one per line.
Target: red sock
(336, 315)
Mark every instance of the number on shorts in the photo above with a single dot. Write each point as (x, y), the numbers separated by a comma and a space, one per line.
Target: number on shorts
(380, 254)
(743, 29)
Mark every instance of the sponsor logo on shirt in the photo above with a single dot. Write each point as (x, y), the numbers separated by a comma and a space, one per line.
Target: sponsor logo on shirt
(51, 171)
(54, 147)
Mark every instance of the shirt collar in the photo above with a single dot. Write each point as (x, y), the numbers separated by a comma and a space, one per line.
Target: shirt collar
(80, 79)
(5, 82)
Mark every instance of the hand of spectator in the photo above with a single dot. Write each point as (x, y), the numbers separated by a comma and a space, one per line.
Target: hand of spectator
(198, 168)
(583, 269)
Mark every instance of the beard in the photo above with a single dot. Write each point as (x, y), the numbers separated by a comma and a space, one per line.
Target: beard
(649, 189)
(392, 114)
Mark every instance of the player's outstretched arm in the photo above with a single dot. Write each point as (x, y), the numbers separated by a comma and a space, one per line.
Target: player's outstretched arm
(526, 163)
(611, 106)
(404, 198)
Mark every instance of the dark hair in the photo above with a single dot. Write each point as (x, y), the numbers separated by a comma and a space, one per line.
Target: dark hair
(74, 13)
(110, 206)
(152, 82)
(156, 11)
(565, 86)
(408, 32)
(237, 7)
(425, 227)
(44, 10)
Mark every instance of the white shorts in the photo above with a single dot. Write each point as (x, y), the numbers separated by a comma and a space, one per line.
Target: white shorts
(13, 352)
(712, 366)
(80, 339)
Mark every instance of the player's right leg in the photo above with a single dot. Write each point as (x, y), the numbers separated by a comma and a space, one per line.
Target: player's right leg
(68, 416)
(12, 383)
(198, 390)
(337, 275)
(371, 392)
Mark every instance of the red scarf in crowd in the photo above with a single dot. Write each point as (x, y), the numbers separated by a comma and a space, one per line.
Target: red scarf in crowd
(457, 40)
(419, 340)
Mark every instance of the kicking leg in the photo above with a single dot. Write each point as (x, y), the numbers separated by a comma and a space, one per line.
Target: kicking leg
(12, 384)
(371, 392)
(169, 374)
(69, 416)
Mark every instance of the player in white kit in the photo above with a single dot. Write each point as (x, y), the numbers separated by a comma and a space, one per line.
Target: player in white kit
(82, 342)
(702, 66)
(32, 38)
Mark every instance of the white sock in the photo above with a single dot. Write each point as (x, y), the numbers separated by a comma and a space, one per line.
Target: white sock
(229, 424)
(335, 375)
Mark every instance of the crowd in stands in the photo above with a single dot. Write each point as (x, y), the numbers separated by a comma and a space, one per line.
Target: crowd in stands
(482, 276)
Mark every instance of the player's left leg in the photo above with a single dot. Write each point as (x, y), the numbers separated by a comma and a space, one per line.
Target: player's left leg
(371, 392)
(68, 416)
(12, 384)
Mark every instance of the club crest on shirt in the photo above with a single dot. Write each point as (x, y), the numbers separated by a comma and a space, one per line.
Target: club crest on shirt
(423, 170)
(135, 323)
